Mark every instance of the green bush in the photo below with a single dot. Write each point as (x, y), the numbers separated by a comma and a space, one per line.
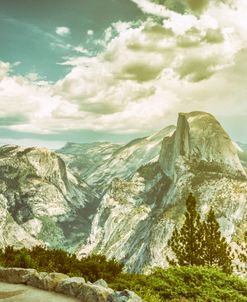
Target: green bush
(92, 268)
(176, 284)
(191, 283)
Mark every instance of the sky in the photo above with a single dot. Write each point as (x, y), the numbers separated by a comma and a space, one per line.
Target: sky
(114, 70)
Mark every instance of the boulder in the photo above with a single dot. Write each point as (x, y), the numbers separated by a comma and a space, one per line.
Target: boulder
(101, 282)
(70, 286)
(46, 281)
(94, 293)
(16, 275)
(124, 296)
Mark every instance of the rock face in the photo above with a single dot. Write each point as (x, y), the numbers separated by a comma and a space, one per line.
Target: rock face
(51, 198)
(137, 214)
(60, 283)
(98, 163)
(85, 159)
(242, 153)
(126, 160)
(41, 202)
(200, 139)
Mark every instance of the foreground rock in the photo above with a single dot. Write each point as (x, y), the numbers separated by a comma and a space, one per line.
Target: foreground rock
(124, 296)
(94, 293)
(45, 281)
(75, 287)
(16, 275)
(70, 286)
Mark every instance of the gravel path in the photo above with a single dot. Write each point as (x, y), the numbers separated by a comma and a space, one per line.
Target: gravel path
(23, 293)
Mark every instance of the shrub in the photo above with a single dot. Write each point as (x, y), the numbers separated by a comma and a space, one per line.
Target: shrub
(191, 283)
(92, 268)
(176, 284)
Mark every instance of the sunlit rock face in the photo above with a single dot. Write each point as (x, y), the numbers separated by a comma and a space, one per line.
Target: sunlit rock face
(99, 163)
(127, 159)
(137, 214)
(85, 159)
(40, 200)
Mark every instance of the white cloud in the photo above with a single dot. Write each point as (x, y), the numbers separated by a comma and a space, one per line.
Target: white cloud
(32, 100)
(155, 9)
(4, 69)
(90, 32)
(143, 78)
(82, 50)
(62, 31)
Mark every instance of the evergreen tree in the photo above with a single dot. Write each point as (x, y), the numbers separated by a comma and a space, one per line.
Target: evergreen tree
(216, 251)
(198, 243)
(187, 243)
(241, 253)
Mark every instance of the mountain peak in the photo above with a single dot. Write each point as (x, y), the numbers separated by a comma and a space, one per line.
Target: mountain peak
(199, 137)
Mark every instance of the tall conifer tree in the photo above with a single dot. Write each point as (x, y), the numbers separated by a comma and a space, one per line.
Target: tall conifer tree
(216, 251)
(187, 243)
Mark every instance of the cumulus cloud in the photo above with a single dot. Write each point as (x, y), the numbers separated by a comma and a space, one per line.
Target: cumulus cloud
(27, 102)
(62, 31)
(145, 75)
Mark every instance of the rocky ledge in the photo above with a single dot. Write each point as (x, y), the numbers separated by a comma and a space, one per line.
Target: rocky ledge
(75, 287)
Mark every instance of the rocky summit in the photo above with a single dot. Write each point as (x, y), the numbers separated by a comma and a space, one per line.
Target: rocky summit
(123, 200)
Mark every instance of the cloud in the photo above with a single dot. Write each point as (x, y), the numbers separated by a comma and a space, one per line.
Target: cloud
(62, 31)
(145, 75)
(4, 69)
(90, 32)
(27, 102)
(162, 7)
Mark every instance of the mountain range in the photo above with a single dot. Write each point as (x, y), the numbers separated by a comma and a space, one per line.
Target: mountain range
(123, 200)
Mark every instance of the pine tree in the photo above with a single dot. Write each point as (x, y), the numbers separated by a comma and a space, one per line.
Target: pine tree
(241, 253)
(198, 243)
(187, 243)
(216, 251)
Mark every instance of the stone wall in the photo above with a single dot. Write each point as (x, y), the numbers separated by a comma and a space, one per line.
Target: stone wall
(74, 287)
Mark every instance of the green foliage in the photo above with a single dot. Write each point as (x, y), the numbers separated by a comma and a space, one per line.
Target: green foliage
(242, 254)
(187, 244)
(187, 284)
(198, 243)
(177, 284)
(216, 251)
(91, 268)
